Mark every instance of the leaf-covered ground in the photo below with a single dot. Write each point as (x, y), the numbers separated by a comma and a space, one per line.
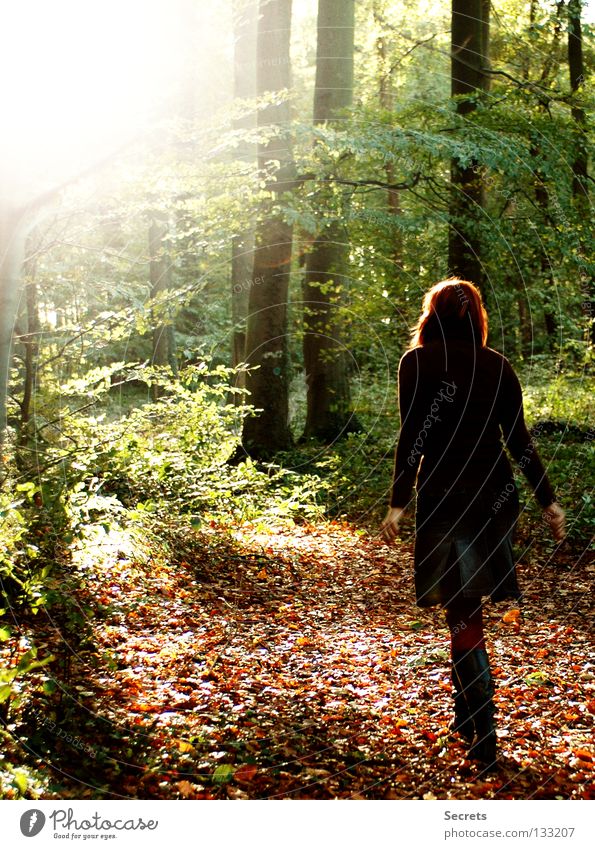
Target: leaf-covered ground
(291, 662)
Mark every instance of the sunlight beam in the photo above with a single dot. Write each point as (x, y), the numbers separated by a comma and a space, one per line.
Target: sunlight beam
(80, 79)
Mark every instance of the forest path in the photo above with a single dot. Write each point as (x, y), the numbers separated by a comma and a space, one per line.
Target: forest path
(291, 662)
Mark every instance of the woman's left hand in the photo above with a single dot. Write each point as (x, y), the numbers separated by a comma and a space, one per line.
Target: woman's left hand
(390, 526)
(556, 518)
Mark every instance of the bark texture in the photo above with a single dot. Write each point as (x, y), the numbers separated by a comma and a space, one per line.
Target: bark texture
(242, 257)
(326, 277)
(266, 337)
(469, 80)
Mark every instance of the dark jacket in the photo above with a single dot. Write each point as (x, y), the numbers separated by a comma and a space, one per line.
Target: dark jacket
(458, 402)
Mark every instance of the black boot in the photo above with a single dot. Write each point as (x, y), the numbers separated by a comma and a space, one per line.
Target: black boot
(462, 723)
(473, 670)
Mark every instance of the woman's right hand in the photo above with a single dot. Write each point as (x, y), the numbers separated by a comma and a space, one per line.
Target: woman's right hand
(555, 516)
(390, 526)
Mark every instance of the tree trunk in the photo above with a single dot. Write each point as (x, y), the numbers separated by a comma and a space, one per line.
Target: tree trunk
(266, 337)
(31, 345)
(12, 249)
(542, 197)
(469, 58)
(525, 336)
(326, 277)
(242, 261)
(160, 279)
(577, 78)
(385, 96)
(393, 196)
(242, 246)
(580, 174)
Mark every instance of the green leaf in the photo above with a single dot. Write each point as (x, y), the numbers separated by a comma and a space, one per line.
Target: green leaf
(538, 677)
(20, 781)
(5, 690)
(7, 675)
(29, 488)
(4, 634)
(223, 773)
(36, 664)
(29, 655)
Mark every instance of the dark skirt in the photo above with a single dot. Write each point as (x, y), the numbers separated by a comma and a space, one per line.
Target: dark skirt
(463, 545)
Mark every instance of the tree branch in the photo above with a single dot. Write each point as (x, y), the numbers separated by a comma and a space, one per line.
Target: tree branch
(379, 184)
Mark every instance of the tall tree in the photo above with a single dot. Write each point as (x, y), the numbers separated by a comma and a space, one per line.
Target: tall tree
(542, 192)
(242, 258)
(387, 65)
(266, 336)
(30, 343)
(469, 79)
(326, 276)
(577, 78)
(580, 173)
(14, 227)
(385, 96)
(164, 352)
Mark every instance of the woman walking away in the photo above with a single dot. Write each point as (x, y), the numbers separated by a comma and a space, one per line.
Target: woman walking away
(457, 399)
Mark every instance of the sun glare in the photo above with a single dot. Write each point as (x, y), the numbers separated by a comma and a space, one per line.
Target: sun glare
(80, 79)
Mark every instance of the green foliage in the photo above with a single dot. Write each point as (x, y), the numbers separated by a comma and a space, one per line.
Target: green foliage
(561, 410)
(23, 569)
(10, 677)
(173, 455)
(107, 452)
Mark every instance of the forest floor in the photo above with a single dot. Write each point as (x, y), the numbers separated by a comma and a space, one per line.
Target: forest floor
(291, 662)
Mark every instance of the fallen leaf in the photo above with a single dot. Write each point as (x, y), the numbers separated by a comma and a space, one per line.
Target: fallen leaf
(511, 615)
(186, 789)
(223, 773)
(245, 773)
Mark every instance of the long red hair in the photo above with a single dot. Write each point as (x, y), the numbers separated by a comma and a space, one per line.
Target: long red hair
(452, 308)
